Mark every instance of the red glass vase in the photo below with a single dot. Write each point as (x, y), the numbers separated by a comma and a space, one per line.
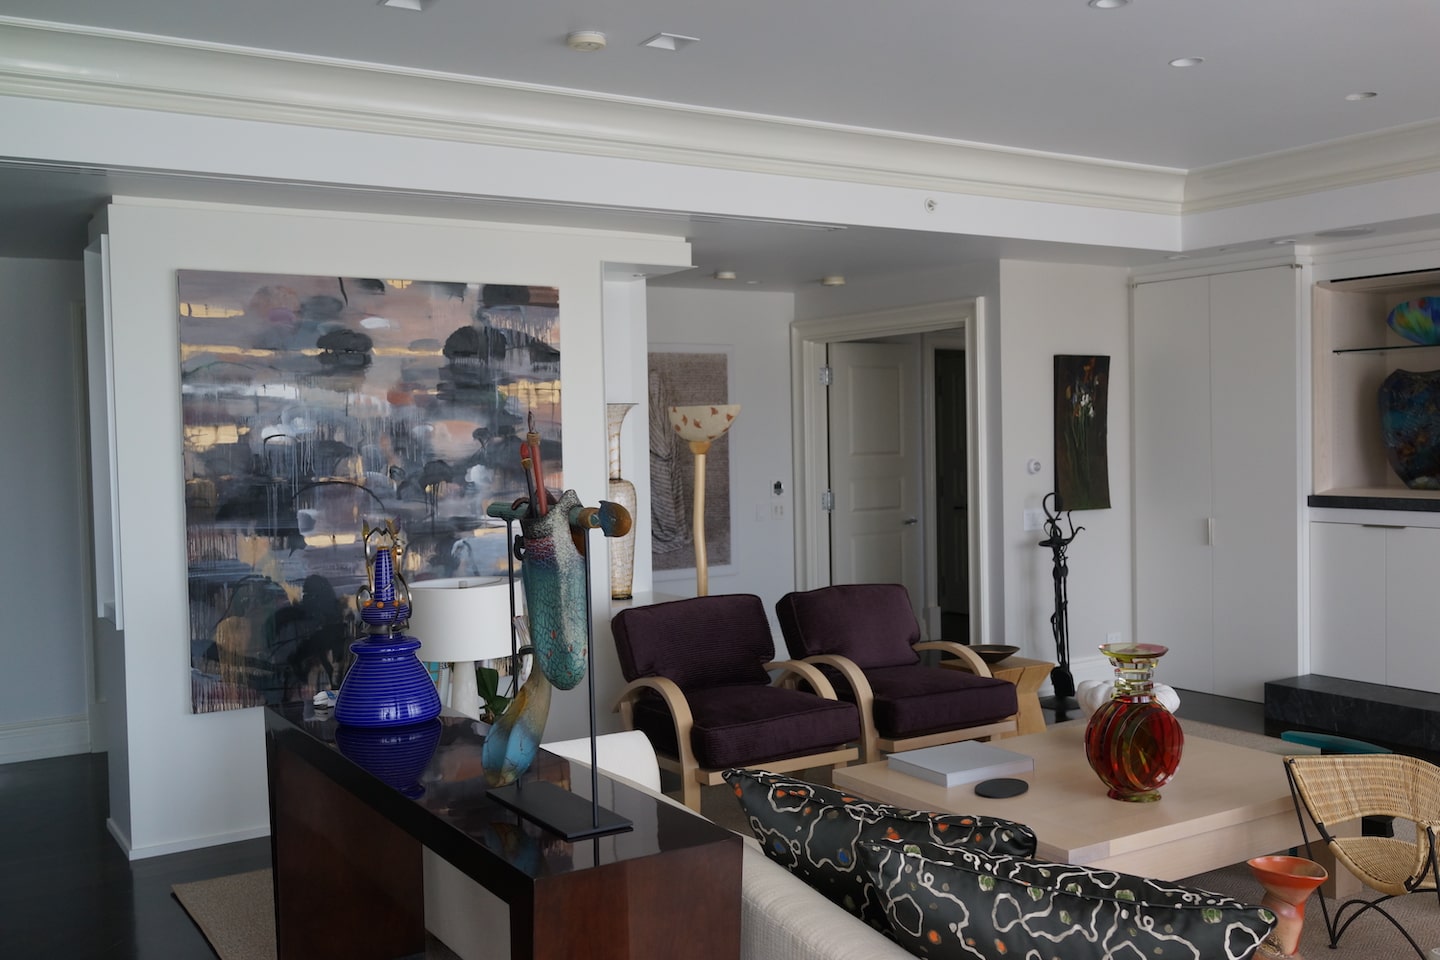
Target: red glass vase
(1132, 742)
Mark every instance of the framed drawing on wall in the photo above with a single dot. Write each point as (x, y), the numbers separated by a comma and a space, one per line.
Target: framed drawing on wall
(312, 405)
(679, 376)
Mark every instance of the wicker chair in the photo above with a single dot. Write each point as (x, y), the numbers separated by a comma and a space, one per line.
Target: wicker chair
(1333, 790)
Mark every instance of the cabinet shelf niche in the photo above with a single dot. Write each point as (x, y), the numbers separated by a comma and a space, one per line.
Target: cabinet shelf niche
(1353, 351)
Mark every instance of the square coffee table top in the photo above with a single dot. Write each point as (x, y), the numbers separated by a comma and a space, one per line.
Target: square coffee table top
(1225, 804)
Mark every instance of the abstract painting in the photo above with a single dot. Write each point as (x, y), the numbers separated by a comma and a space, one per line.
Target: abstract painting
(312, 405)
(677, 379)
(1082, 463)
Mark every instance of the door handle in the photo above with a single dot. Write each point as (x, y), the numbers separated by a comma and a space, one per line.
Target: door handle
(911, 521)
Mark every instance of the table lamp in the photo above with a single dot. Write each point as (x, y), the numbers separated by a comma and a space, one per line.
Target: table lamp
(699, 425)
(459, 621)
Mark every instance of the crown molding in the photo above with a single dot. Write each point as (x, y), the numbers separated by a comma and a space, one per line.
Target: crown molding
(117, 69)
(1390, 154)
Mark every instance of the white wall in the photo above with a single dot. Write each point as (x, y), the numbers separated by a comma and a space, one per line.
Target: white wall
(193, 780)
(757, 326)
(44, 696)
(1051, 309)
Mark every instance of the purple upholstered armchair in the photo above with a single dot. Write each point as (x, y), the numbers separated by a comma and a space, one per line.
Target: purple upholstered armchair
(865, 637)
(700, 689)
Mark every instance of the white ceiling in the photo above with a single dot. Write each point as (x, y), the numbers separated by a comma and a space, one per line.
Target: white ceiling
(1047, 75)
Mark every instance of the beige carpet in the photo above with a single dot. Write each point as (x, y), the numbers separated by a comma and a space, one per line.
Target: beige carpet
(236, 913)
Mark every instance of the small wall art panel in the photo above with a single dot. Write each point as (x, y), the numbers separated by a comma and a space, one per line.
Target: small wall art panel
(1082, 412)
(681, 378)
(313, 405)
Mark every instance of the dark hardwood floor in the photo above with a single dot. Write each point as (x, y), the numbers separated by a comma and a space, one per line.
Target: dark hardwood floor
(66, 889)
(68, 892)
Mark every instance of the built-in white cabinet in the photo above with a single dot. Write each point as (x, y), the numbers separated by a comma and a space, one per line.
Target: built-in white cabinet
(1372, 603)
(1217, 427)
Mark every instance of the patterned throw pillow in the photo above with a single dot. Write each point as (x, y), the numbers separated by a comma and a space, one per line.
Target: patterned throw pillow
(945, 904)
(812, 831)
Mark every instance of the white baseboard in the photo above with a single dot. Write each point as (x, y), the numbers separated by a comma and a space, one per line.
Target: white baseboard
(39, 739)
(181, 846)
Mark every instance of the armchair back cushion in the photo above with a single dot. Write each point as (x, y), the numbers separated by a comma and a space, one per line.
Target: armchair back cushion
(870, 623)
(703, 642)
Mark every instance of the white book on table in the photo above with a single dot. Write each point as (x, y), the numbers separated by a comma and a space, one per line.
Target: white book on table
(969, 761)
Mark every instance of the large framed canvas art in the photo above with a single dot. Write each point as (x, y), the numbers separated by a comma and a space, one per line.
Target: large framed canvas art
(313, 405)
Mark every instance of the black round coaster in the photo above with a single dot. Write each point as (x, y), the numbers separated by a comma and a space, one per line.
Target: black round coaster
(1001, 787)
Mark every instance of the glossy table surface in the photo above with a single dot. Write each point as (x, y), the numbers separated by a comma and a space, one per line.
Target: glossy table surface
(428, 780)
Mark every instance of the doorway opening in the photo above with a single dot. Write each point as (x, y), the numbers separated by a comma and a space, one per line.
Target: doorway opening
(950, 333)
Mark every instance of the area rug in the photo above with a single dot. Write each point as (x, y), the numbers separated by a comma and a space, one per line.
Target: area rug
(236, 912)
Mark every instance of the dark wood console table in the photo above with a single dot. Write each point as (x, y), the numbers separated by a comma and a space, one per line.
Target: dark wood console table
(350, 812)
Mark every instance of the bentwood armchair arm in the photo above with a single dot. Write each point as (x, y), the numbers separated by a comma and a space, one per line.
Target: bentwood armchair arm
(793, 672)
(679, 708)
(971, 659)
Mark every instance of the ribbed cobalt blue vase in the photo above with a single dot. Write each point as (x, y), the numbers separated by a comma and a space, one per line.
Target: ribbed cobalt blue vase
(387, 685)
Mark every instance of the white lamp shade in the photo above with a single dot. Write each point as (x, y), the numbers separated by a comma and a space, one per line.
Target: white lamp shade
(460, 619)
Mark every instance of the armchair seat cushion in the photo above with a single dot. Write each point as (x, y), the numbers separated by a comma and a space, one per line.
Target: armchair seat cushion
(913, 701)
(737, 725)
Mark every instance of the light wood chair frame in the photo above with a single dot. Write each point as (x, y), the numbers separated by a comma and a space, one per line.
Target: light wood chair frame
(692, 775)
(1346, 787)
(872, 745)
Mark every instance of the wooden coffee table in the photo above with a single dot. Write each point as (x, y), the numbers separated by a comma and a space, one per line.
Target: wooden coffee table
(1225, 805)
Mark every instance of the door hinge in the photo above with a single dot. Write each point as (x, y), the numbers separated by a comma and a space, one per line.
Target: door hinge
(827, 501)
(827, 375)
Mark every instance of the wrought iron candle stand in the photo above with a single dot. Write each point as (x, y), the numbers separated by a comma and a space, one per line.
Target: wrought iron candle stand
(1055, 538)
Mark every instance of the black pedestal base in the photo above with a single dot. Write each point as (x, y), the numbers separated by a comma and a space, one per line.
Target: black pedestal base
(558, 810)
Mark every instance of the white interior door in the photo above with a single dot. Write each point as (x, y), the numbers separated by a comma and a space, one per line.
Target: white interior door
(875, 463)
(1174, 581)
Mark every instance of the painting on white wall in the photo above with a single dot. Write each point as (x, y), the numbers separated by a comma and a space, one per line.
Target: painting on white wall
(680, 378)
(313, 405)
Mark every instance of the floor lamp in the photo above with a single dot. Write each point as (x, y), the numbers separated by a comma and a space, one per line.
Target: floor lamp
(459, 621)
(698, 425)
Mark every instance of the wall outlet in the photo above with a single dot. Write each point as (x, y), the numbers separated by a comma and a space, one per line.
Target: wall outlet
(1034, 519)
(1112, 637)
(777, 511)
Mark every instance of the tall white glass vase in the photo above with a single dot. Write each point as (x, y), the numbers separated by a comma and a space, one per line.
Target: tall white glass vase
(622, 491)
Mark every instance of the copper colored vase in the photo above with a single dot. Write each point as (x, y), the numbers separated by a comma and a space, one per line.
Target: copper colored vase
(1132, 742)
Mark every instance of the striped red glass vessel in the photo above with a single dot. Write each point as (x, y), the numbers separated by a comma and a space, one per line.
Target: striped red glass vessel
(1132, 742)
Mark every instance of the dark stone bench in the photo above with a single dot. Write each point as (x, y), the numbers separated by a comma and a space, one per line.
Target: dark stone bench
(1407, 721)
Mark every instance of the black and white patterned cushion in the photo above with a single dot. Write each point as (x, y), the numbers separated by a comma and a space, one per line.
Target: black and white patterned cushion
(954, 903)
(812, 831)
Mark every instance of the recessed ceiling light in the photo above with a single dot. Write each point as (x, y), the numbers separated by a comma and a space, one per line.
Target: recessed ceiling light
(669, 41)
(1177, 256)
(1108, 4)
(752, 282)
(1187, 61)
(586, 41)
(1283, 243)
(833, 280)
(1362, 95)
(724, 274)
(419, 6)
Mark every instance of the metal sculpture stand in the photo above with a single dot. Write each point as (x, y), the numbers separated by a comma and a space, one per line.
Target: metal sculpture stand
(1060, 678)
